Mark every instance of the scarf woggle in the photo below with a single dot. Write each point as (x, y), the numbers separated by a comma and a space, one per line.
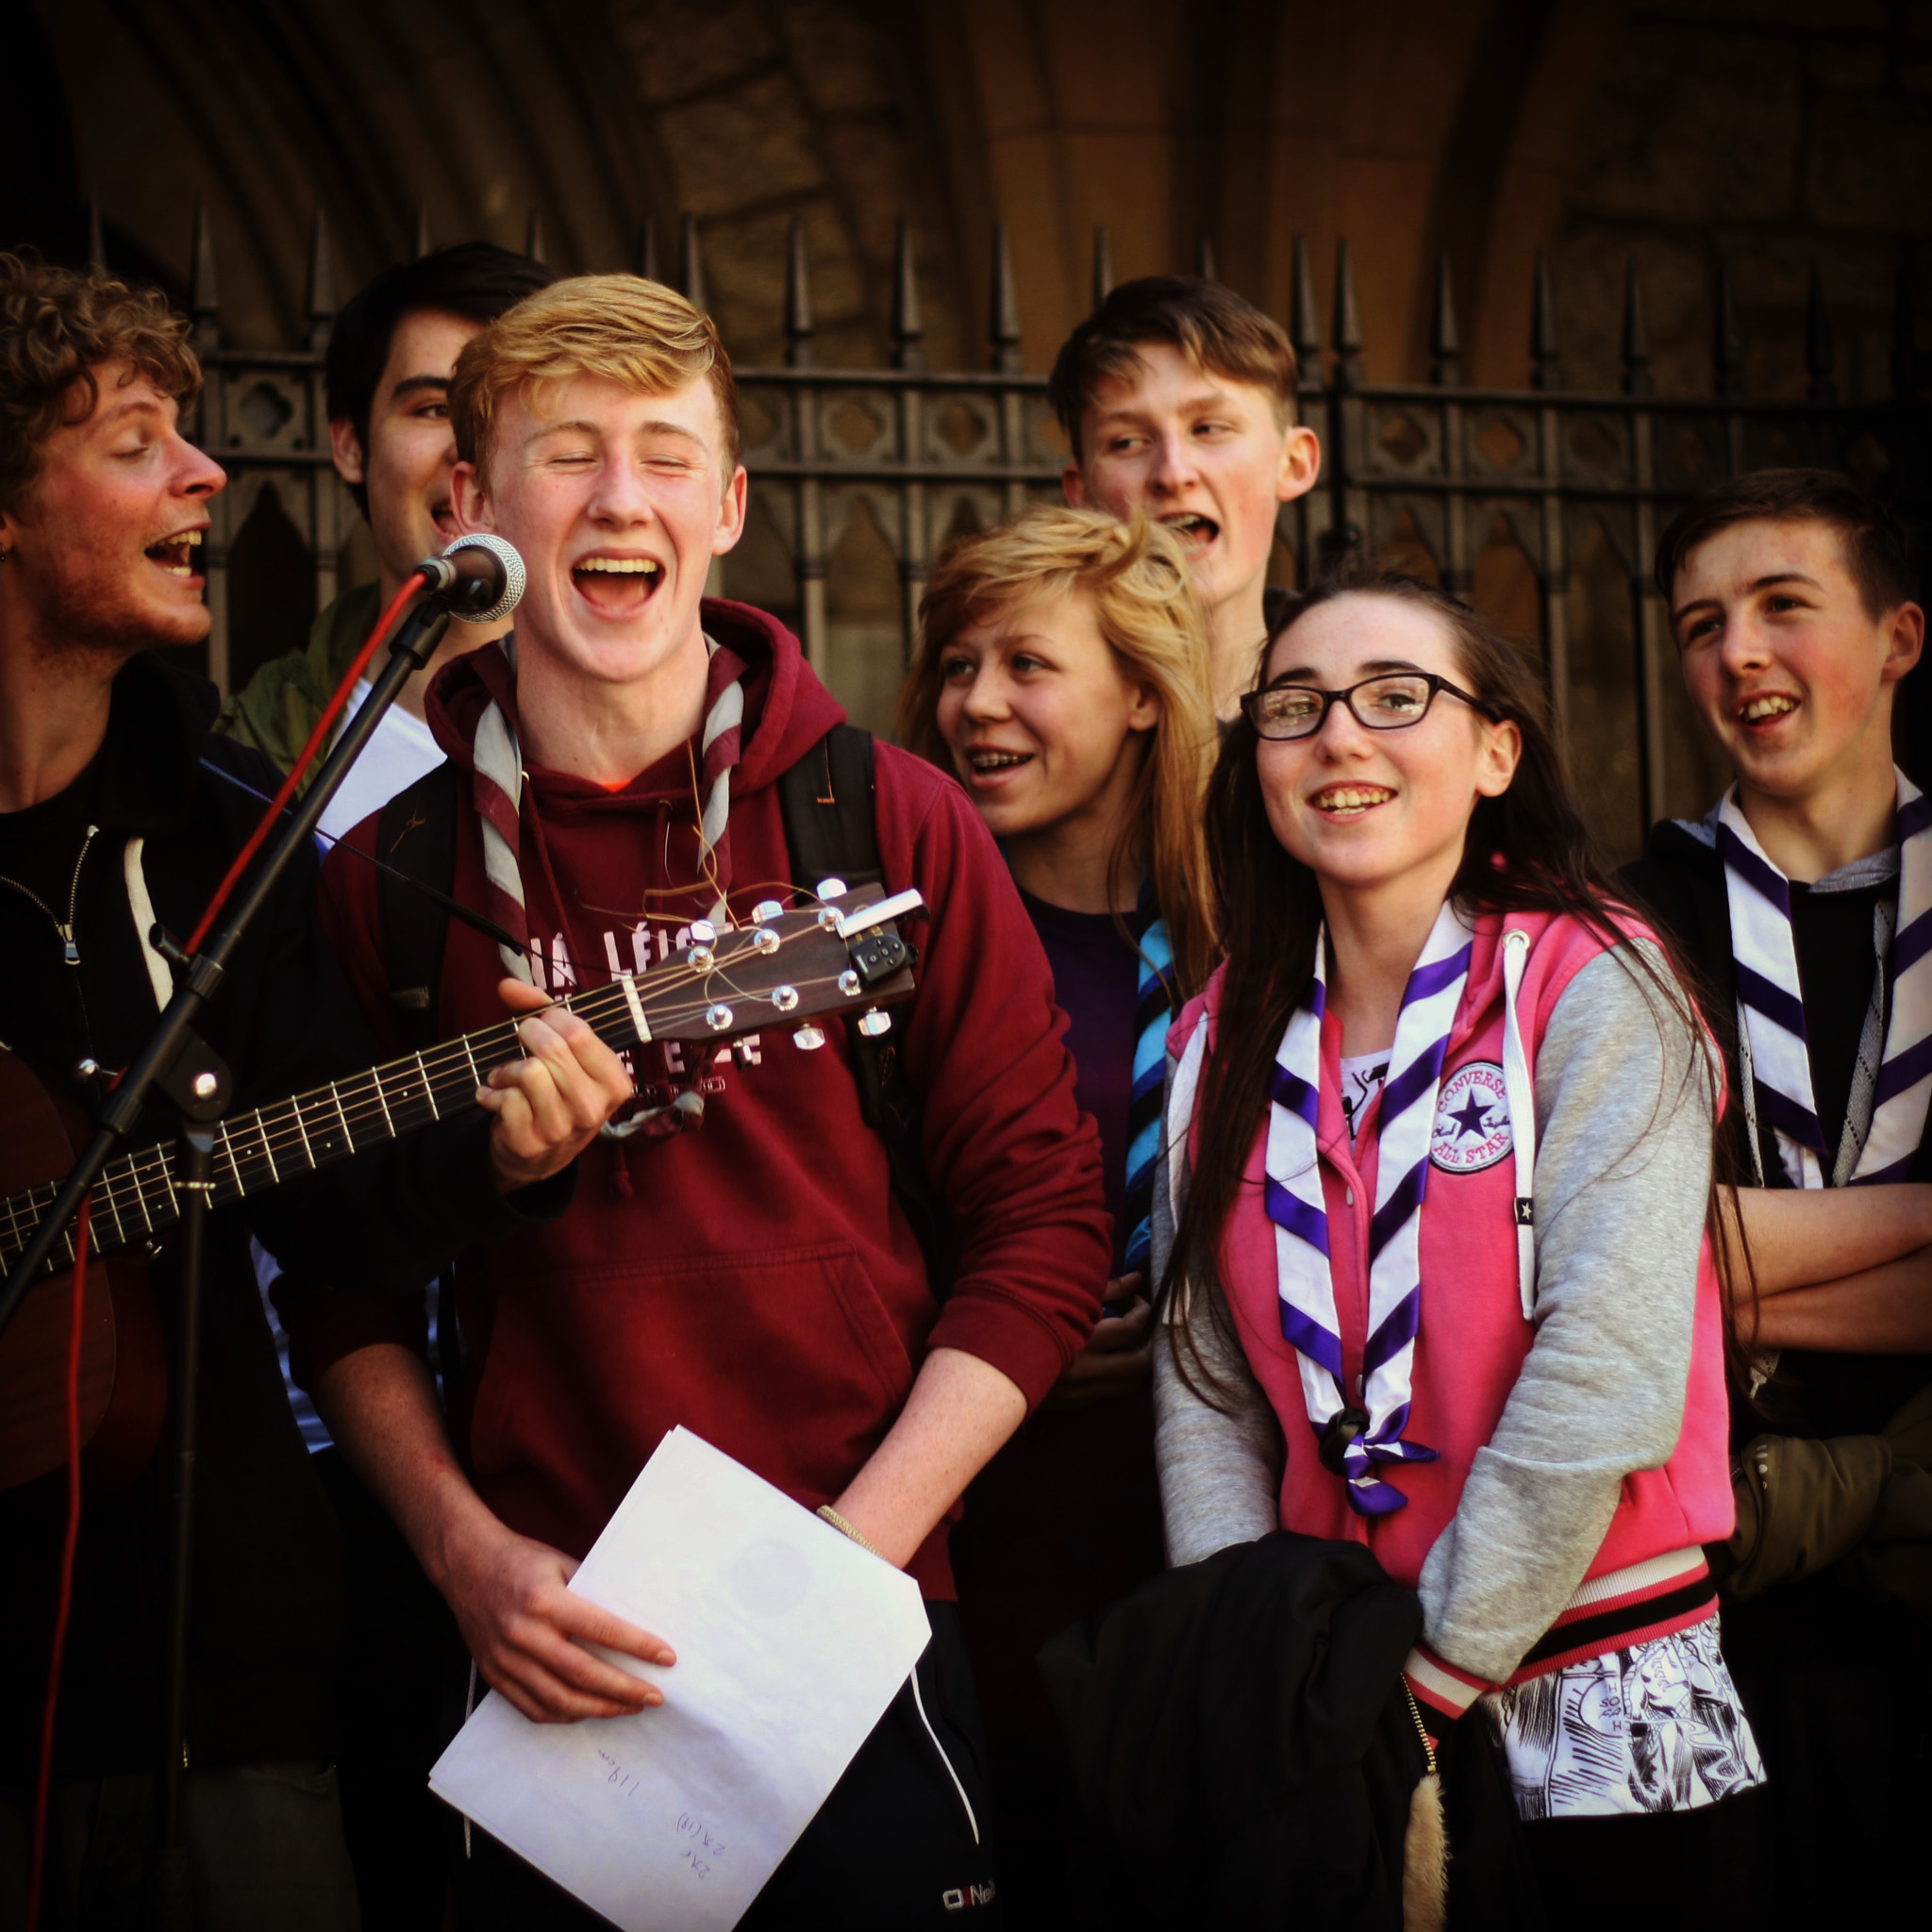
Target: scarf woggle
(1766, 959)
(1295, 1206)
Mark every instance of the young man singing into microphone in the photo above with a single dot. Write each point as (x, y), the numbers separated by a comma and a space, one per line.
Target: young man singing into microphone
(757, 1280)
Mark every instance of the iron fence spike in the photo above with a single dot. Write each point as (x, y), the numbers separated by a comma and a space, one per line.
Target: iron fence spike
(691, 268)
(798, 319)
(1103, 265)
(1348, 320)
(1545, 350)
(204, 298)
(1005, 303)
(1637, 376)
(322, 275)
(908, 323)
(1446, 338)
(1304, 322)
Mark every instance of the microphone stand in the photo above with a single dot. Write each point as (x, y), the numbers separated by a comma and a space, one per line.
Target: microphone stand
(178, 1064)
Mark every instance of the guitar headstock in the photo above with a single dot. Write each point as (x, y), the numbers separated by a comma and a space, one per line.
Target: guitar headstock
(784, 968)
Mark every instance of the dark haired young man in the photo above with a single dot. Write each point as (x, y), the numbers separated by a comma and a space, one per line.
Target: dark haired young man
(1804, 901)
(111, 821)
(389, 357)
(1179, 401)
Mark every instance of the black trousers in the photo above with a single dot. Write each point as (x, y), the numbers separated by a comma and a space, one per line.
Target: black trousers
(1667, 1870)
(904, 1840)
(389, 1706)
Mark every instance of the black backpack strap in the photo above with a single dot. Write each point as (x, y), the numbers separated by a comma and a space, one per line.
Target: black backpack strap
(830, 824)
(831, 831)
(416, 840)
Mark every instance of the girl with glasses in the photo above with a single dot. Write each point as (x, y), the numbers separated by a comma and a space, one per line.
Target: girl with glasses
(1438, 1280)
(1063, 679)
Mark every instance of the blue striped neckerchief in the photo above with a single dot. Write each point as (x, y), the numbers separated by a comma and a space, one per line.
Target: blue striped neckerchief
(1153, 1011)
(1297, 1205)
(1154, 1007)
(1773, 1038)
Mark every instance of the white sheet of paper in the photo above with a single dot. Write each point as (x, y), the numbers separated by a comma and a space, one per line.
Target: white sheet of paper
(792, 1642)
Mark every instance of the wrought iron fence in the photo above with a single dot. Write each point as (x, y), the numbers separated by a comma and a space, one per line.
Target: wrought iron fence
(1555, 496)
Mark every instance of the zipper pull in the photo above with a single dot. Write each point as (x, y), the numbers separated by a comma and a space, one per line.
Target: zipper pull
(73, 954)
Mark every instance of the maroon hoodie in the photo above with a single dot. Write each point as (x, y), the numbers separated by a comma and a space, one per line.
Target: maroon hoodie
(755, 1280)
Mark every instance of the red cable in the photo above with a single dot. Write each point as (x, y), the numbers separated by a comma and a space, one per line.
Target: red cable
(316, 739)
(63, 1603)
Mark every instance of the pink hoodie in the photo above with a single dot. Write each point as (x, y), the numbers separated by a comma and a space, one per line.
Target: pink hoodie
(1648, 1576)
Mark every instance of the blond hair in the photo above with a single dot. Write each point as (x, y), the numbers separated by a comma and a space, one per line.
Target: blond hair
(1137, 575)
(639, 334)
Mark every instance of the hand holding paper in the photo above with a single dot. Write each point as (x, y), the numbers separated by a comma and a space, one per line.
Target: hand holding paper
(526, 1629)
(793, 1642)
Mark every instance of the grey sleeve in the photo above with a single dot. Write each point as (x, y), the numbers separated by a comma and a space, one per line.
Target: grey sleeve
(1622, 1174)
(1219, 1467)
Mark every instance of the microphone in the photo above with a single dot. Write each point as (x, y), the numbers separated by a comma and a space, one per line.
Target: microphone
(477, 578)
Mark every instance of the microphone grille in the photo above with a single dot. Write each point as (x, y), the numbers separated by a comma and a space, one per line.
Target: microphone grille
(513, 576)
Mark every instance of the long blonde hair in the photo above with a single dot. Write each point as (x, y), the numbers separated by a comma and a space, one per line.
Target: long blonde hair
(1137, 575)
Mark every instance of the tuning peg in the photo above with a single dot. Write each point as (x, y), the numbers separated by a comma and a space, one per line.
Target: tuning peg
(809, 1039)
(833, 888)
(766, 911)
(874, 1022)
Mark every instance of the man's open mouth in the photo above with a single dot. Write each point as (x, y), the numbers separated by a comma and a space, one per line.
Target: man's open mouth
(1350, 801)
(617, 586)
(1194, 529)
(1765, 706)
(176, 554)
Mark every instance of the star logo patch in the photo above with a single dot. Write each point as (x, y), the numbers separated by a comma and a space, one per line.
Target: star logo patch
(1472, 1129)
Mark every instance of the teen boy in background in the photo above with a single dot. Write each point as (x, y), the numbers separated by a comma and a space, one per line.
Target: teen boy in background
(386, 380)
(390, 356)
(1178, 399)
(1805, 902)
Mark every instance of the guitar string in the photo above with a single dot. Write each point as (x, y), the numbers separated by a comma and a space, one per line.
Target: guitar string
(132, 1183)
(136, 1172)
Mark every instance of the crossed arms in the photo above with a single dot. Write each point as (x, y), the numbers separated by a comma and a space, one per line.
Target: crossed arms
(1846, 1269)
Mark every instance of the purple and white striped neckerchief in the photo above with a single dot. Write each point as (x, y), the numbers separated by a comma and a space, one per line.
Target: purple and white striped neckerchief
(1766, 959)
(497, 787)
(1295, 1205)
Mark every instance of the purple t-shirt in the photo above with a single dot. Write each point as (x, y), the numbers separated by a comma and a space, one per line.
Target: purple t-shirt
(1096, 979)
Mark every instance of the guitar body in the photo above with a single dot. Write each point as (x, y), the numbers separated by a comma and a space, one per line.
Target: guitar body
(123, 1374)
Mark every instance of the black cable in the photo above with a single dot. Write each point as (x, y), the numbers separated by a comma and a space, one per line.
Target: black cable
(455, 908)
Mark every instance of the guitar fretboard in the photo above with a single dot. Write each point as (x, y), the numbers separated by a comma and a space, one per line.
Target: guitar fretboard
(139, 1195)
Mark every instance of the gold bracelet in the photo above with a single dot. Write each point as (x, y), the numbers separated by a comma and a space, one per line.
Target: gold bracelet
(844, 1528)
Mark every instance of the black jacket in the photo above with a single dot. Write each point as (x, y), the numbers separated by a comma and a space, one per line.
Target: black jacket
(1244, 1752)
(266, 1594)
(1681, 882)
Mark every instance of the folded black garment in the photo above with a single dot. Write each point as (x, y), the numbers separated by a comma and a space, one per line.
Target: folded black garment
(1245, 1752)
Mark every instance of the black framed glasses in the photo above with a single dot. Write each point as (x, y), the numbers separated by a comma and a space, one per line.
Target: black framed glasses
(1392, 702)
